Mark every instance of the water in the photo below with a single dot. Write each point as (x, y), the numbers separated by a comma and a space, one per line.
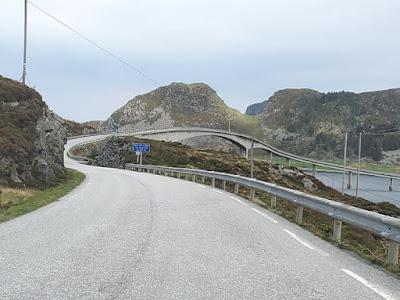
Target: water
(375, 189)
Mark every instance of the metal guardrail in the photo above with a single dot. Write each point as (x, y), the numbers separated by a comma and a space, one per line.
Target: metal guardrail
(384, 226)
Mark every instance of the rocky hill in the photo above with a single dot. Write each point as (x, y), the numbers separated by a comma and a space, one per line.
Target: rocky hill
(311, 123)
(74, 128)
(31, 138)
(180, 105)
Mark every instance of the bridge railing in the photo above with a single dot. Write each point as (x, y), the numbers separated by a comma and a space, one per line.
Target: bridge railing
(384, 226)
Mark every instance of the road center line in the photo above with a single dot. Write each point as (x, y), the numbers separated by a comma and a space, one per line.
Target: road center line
(238, 200)
(265, 216)
(369, 285)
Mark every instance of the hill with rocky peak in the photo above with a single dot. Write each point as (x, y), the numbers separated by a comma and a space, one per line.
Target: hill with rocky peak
(311, 123)
(180, 105)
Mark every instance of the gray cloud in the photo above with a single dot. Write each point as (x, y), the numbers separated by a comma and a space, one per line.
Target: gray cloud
(246, 50)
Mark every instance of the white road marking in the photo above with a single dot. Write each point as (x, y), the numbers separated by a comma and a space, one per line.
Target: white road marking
(219, 192)
(238, 200)
(265, 216)
(304, 243)
(369, 285)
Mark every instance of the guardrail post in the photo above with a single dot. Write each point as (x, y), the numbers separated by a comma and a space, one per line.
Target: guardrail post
(337, 230)
(299, 214)
(213, 182)
(194, 178)
(391, 184)
(314, 170)
(349, 180)
(179, 175)
(203, 179)
(224, 185)
(288, 162)
(393, 253)
(236, 188)
(273, 201)
(252, 194)
(186, 176)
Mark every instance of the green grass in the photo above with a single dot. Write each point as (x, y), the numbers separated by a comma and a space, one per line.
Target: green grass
(16, 202)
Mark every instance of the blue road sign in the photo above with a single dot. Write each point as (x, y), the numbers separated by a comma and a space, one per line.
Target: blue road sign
(142, 148)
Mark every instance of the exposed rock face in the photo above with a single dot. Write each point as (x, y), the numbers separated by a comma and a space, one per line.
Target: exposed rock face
(31, 138)
(179, 105)
(256, 108)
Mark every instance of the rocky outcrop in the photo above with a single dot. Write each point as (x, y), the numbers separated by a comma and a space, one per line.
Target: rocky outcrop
(32, 138)
(256, 108)
(180, 105)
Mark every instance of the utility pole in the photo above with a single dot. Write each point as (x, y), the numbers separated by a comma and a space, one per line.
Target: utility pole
(344, 162)
(252, 159)
(25, 42)
(359, 165)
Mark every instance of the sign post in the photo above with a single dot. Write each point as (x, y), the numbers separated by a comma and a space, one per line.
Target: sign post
(139, 149)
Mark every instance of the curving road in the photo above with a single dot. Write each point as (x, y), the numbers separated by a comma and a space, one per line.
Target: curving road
(127, 235)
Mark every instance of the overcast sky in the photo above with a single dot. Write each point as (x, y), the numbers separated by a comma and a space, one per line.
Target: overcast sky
(246, 50)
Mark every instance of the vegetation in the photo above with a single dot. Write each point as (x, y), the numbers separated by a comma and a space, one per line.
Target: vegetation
(18, 201)
(365, 244)
(316, 122)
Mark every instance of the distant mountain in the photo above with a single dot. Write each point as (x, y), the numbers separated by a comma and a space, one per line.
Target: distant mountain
(256, 108)
(74, 128)
(31, 138)
(311, 123)
(180, 105)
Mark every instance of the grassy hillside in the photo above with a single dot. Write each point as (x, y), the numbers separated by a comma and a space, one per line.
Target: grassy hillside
(184, 105)
(314, 123)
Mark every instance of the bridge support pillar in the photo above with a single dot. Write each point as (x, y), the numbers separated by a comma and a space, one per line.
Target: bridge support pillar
(299, 214)
(224, 185)
(314, 170)
(273, 201)
(391, 184)
(393, 253)
(337, 230)
(252, 194)
(236, 189)
(349, 180)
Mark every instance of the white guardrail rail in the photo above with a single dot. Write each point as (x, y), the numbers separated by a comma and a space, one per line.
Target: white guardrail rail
(384, 226)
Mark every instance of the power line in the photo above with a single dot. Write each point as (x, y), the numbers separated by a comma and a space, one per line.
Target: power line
(95, 44)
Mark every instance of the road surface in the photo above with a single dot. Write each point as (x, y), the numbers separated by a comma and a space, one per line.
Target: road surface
(128, 235)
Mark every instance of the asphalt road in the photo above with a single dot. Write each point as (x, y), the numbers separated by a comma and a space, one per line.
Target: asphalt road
(128, 235)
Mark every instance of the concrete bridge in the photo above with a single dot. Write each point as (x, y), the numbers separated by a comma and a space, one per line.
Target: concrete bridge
(246, 143)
